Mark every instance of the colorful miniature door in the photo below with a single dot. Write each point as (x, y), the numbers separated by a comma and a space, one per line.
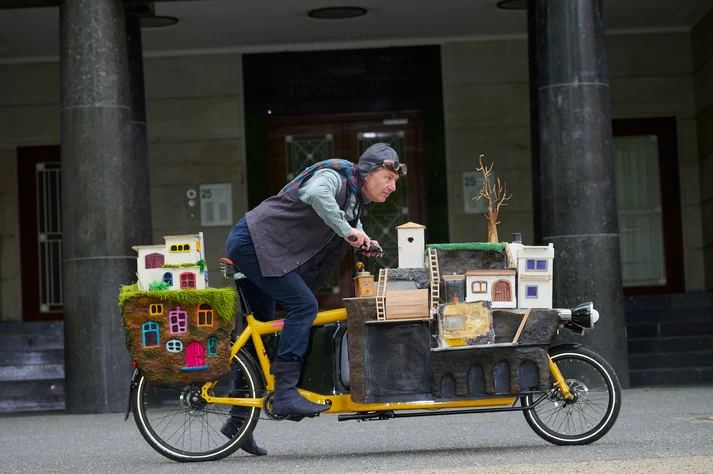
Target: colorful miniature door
(194, 355)
(501, 291)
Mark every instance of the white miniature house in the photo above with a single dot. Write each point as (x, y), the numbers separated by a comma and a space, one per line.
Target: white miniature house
(412, 245)
(497, 286)
(534, 275)
(179, 263)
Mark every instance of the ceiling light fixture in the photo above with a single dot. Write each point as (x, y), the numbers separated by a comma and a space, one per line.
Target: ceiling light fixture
(337, 13)
(154, 21)
(513, 4)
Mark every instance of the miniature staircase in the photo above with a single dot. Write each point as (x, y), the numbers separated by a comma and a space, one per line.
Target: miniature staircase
(435, 279)
(381, 295)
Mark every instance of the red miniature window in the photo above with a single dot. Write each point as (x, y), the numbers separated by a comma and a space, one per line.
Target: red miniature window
(188, 280)
(154, 260)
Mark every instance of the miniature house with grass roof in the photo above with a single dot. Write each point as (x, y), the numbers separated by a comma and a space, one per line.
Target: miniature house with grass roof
(177, 264)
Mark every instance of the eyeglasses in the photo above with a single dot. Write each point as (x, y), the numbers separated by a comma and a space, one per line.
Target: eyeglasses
(396, 166)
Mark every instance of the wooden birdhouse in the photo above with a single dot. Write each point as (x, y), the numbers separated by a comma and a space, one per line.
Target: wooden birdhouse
(412, 245)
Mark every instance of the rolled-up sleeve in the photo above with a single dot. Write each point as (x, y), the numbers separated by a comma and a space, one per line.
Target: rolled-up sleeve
(320, 192)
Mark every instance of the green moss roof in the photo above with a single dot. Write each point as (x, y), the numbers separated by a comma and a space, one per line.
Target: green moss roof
(483, 246)
(221, 299)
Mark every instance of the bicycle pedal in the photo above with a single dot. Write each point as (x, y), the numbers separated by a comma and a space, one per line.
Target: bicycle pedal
(297, 418)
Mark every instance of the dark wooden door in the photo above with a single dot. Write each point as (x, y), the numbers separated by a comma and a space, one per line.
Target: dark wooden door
(297, 142)
(40, 210)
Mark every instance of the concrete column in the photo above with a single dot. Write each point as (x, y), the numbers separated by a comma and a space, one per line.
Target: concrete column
(138, 136)
(576, 170)
(104, 202)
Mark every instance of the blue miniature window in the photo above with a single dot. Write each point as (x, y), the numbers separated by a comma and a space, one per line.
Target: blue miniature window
(530, 264)
(541, 264)
(149, 334)
(212, 346)
(168, 278)
(531, 291)
(174, 345)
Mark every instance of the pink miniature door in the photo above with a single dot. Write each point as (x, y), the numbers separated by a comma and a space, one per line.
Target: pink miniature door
(194, 355)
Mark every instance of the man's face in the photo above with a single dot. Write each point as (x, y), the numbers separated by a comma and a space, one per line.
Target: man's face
(379, 184)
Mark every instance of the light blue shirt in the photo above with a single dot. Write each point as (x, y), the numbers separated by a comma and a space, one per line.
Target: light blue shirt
(321, 193)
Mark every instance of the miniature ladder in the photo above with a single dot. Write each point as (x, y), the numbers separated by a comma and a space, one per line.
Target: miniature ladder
(381, 295)
(435, 279)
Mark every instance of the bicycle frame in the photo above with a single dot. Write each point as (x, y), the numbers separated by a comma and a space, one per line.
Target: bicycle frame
(339, 403)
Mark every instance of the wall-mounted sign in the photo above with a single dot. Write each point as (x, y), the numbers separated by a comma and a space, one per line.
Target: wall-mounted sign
(216, 205)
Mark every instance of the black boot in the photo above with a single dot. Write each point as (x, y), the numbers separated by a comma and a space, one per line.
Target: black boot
(287, 400)
(232, 426)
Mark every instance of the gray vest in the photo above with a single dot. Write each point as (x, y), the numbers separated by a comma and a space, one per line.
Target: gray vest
(289, 235)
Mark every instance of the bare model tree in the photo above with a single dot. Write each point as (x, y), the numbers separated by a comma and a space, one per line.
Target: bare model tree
(496, 196)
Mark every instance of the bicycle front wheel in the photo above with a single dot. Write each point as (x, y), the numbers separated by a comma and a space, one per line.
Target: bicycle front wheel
(592, 412)
(178, 423)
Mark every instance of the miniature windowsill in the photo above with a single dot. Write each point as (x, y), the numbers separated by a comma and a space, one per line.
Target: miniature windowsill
(483, 346)
(151, 347)
(405, 320)
(194, 369)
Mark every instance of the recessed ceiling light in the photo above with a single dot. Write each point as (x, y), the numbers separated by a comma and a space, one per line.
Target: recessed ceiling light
(153, 21)
(513, 4)
(337, 13)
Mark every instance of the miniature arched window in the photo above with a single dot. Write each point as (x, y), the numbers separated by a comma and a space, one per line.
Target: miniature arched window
(188, 280)
(156, 309)
(212, 346)
(501, 377)
(180, 248)
(205, 315)
(501, 291)
(154, 260)
(174, 345)
(149, 334)
(178, 321)
(479, 287)
(168, 278)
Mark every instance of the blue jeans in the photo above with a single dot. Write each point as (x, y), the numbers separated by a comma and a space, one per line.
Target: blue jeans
(289, 290)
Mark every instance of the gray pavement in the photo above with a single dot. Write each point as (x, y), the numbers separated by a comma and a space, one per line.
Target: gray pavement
(662, 430)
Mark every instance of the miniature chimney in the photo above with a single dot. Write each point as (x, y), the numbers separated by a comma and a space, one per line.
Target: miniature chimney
(412, 245)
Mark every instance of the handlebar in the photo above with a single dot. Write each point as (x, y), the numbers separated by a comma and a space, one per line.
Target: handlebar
(372, 248)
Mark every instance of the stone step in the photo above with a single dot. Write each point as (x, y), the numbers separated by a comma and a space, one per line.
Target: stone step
(661, 315)
(670, 344)
(678, 376)
(667, 329)
(671, 360)
(701, 299)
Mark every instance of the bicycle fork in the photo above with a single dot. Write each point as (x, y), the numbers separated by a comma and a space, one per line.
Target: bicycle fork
(559, 380)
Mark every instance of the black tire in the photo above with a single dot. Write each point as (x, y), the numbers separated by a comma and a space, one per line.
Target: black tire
(173, 421)
(595, 408)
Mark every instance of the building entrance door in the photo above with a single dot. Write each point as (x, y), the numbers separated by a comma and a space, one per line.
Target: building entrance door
(297, 142)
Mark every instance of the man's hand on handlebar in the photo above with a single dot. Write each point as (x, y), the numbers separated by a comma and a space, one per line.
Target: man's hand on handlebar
(374, 250)
(358, 239)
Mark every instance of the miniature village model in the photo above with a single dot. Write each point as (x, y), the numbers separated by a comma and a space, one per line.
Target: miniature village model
(177, 329)
(454, 320)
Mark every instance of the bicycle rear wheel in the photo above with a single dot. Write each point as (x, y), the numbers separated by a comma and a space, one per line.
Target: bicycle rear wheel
(592, 412)
(178, 423)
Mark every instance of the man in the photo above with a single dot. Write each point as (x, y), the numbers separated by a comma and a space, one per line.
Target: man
(289, 245)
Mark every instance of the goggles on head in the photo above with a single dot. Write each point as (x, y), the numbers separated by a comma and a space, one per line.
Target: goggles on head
(395, 166)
